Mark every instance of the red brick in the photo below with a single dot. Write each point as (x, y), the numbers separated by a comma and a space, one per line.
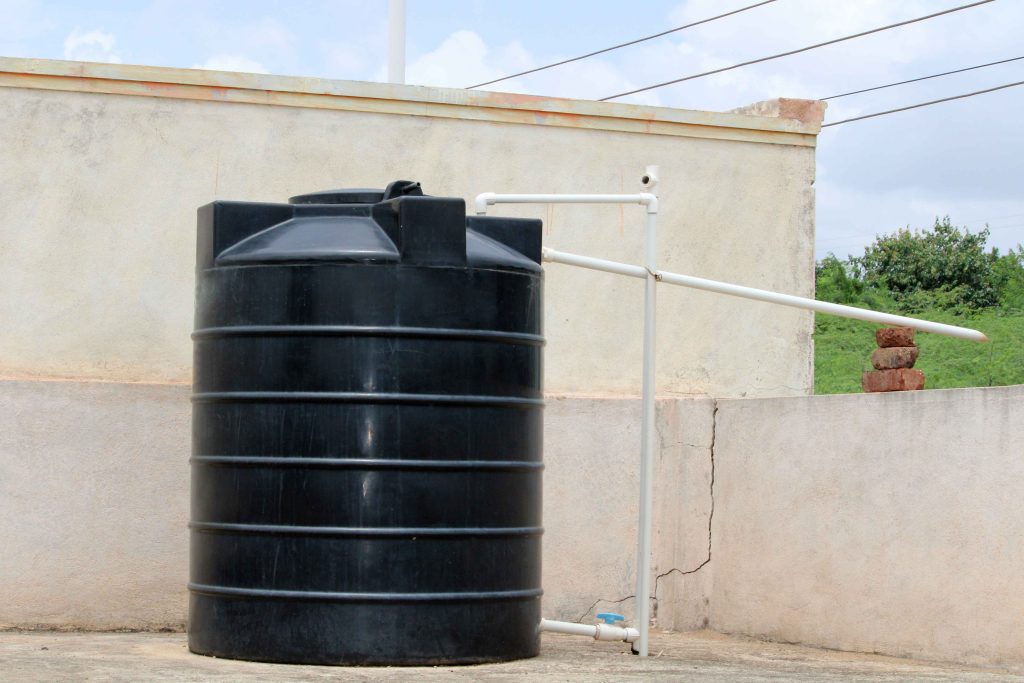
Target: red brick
(894, 336)
(894, 357)
(900, 379)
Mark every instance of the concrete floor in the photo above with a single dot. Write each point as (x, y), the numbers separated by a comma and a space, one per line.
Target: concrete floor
(698, 656)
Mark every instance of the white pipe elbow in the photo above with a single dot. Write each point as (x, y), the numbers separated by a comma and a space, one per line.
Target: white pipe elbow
(650, 201)
(482, 201)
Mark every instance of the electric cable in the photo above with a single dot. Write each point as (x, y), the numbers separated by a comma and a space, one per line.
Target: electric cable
(621, 45)
(923, 104)
(922, 78)
(794, 52)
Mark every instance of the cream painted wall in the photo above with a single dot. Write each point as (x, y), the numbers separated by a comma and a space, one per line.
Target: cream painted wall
(887, 523)
(94, 490)
(882, 523)
(97, 218)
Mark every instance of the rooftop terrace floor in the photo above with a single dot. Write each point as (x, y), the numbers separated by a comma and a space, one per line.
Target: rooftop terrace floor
(697, 656)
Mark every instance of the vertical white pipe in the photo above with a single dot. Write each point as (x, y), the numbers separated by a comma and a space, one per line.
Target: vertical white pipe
(647, 438)
(396, 41)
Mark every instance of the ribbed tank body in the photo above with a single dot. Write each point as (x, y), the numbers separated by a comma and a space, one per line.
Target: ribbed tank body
(367, 432)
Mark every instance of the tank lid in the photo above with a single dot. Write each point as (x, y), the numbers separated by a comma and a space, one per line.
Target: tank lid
(398, 188)
(350, 196)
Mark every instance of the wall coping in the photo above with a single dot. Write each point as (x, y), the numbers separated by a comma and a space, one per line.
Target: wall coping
(765, 124)
(1013, 392)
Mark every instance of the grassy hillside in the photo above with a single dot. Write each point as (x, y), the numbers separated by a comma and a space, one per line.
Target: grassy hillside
(946, 274)
(842, 351)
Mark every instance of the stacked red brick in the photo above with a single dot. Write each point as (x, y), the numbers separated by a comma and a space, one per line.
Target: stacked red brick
(894, 361)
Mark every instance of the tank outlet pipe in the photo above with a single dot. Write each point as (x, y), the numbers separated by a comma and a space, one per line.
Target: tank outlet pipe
(487, 199)
(762, 295)
(647, 430)
(595, 631)
(651, 275)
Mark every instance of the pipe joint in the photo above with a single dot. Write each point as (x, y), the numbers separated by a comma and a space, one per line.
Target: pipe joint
(482, 201)
(650, 201)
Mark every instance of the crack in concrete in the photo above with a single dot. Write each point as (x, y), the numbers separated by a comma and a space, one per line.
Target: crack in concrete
(600, 600)
(711, 517)
(682, 443)
(676, 570)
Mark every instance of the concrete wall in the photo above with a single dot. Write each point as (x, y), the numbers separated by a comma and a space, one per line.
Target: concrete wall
(886, 523)
(94, 504)
(94, 482)
(883, 523)
(103, 167)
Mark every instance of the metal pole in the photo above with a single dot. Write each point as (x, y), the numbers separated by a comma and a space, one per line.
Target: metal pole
(647, 438)
(396, 41)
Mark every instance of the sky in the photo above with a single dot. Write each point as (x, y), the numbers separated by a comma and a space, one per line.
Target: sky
(964, 159)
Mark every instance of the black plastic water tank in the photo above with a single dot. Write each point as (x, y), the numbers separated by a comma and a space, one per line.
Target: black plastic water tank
(366, 469)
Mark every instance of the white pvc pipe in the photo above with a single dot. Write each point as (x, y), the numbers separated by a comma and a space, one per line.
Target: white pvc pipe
(647, 431)
(592, 263)
(595, 631)
(652, 276)
(486, 199)
(647, 438)
(396, 41)
(764, 295)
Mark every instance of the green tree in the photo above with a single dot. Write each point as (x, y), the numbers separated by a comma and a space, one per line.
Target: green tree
(835, 281)
(944, 267)
(1009, 275)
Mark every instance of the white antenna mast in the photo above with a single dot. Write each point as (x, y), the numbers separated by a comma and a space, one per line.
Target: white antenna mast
(396, 41)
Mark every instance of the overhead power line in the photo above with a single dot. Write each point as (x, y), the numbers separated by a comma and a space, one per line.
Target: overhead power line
(922, 78)
(924, 104)
(621, 45)
(794, 52)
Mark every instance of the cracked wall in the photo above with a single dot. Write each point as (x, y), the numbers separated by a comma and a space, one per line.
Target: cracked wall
(94, 494)
(886, 523)
(598, 520)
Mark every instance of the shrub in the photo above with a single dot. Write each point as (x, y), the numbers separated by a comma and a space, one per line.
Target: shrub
(1009, 274)
(945, 267)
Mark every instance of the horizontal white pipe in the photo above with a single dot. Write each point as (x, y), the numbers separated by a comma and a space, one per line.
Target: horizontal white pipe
(593, 263)
(763, 295)
(595, 631)
(486, 199)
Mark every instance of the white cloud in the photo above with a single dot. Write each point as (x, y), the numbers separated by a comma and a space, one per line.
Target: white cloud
(232, 63)
(464, 58)
(231, 43)
(267, 34)
(91, 46)
(849, 218)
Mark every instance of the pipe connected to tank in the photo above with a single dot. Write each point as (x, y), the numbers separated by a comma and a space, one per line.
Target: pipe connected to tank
(647, 432)
(485, 199)
(762, 295)
(595, 631)
(651, 275)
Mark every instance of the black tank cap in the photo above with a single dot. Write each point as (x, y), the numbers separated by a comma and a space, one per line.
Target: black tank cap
(402, 188)
(398, 188)
(349, 196)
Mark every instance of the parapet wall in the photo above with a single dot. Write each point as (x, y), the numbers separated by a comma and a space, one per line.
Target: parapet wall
(885, 523)
(94, 491)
